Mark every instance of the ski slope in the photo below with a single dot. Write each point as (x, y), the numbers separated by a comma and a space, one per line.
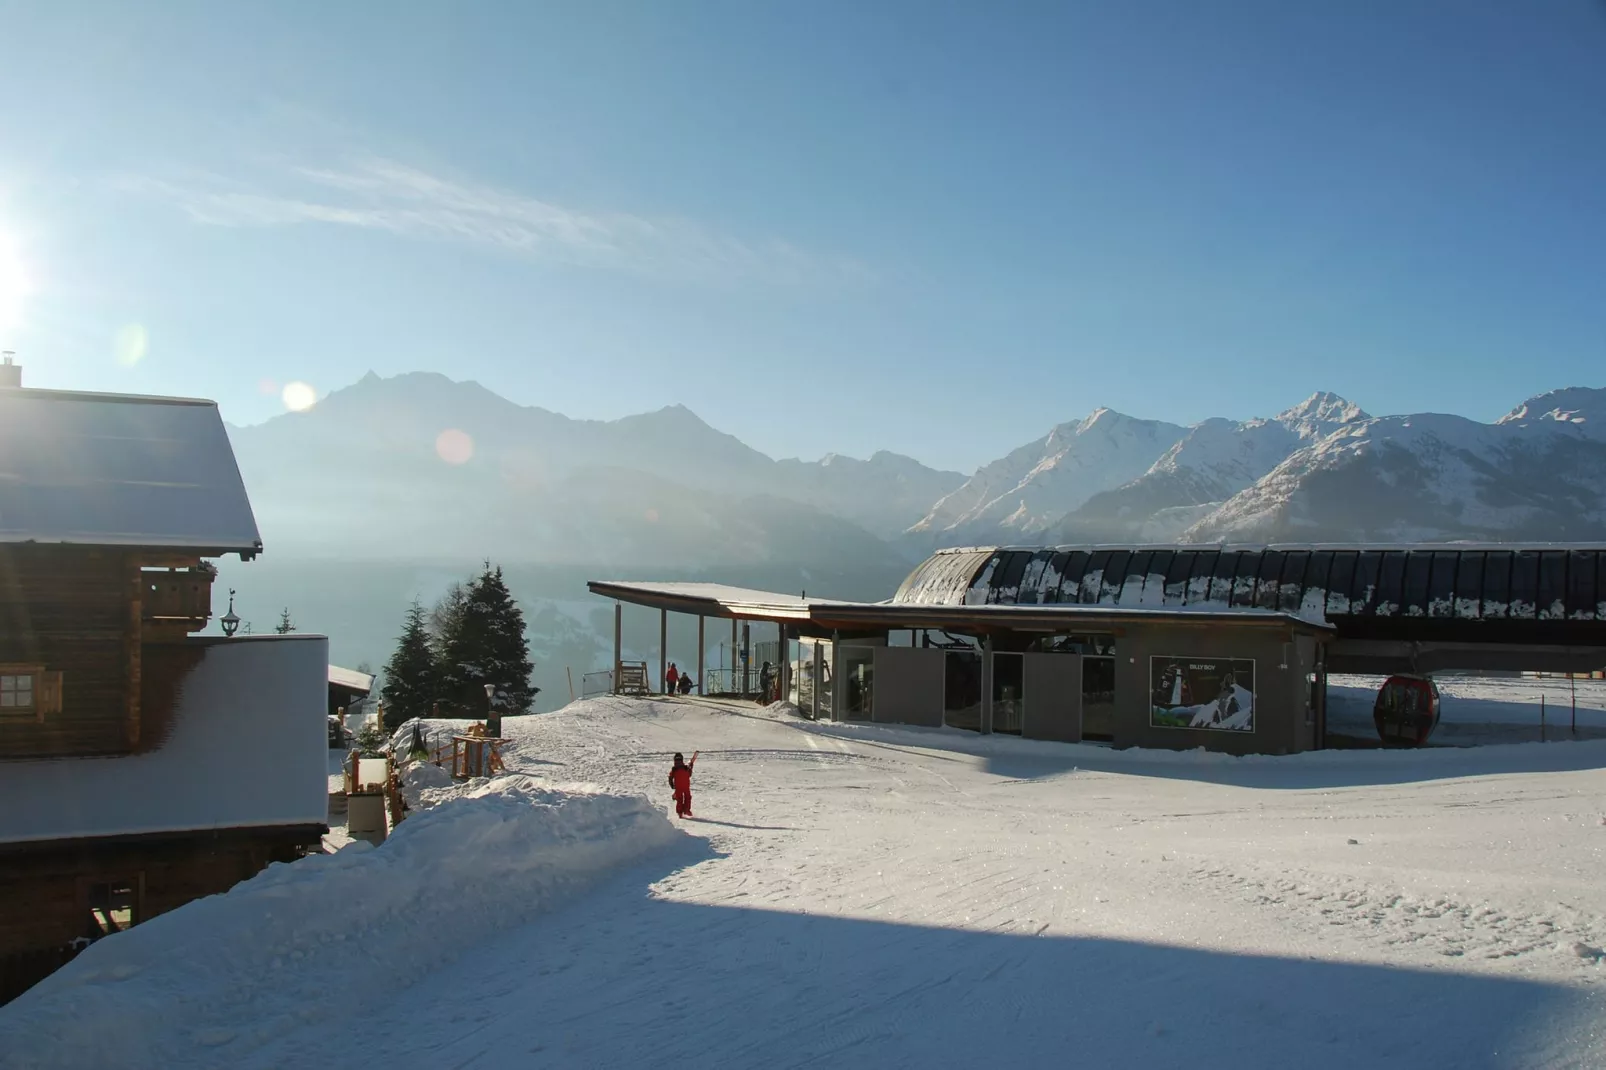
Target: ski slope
(887, 897)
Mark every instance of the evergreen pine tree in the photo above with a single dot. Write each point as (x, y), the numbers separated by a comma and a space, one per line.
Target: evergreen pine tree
(284, 627)
(410, 677)
(486, 645)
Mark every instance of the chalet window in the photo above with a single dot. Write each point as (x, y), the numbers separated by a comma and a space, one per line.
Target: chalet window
(18, 691)
(29, 691)
(115, 905)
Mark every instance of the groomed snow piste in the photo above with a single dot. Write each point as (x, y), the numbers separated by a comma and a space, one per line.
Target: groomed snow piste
(884, 897)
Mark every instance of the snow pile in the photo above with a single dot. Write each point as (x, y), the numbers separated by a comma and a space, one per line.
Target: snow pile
(320, 938)
(425, 784)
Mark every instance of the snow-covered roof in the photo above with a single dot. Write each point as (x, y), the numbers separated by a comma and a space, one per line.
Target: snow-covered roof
(248, 748)
(351, 678)
(718, 600)
(120, 470)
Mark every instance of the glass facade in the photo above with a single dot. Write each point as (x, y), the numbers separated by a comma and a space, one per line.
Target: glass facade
(961, 694)
(1009, 699)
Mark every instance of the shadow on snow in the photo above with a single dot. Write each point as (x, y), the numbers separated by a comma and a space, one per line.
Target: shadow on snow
(1012, 758)
(627, 980)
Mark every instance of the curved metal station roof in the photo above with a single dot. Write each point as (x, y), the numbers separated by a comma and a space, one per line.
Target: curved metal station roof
(1453, 581)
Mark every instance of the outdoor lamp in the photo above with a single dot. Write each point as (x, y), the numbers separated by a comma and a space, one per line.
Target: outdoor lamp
(231, 620)
(493, 723)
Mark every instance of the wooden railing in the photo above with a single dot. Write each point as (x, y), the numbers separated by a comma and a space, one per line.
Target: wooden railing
(177, 595)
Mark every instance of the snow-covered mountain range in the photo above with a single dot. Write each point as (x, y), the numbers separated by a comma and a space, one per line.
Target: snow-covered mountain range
(390, 488)
(1021, 496)
(368, 469)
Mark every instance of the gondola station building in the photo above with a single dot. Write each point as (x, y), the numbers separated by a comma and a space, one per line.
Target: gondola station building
(1222, 647)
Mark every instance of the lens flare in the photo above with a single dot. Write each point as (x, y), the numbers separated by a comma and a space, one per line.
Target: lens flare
(131, 345)
(267, 387)
(299, 397)
(454, 446)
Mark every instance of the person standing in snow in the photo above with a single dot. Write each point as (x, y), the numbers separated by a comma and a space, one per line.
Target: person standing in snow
(680, 783)
(686, 683)
(671, 679)
(764, 675)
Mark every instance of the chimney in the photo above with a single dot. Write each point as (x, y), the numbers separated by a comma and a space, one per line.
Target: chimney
(10, 370)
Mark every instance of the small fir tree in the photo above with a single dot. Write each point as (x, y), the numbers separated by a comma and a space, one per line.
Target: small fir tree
(284, 627)
(446, 618)
(410, 676)
(371, 741)
(487, 645)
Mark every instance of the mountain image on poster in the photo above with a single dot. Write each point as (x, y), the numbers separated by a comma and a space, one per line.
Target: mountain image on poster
(1216, 694)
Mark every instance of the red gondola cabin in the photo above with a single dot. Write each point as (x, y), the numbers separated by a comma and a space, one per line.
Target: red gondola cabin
(1407, 710)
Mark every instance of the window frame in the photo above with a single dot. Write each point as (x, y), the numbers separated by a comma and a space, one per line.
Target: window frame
(34, 711)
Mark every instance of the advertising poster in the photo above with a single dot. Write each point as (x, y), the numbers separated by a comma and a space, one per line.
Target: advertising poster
(1211, 693)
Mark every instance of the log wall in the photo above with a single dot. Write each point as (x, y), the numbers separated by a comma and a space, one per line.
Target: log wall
(45, 889)
(68, 609)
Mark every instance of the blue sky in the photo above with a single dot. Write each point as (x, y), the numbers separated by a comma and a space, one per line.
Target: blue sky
(931, 227)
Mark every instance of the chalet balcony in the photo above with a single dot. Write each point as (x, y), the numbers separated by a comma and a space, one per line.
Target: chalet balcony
(177, 597)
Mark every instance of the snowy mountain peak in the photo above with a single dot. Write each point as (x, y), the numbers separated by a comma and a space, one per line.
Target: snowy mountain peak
(1583, 407)
(1323, 407)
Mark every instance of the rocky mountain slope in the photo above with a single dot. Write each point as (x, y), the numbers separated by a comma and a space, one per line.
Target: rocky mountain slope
(1214, 460)
(1020, 497)
(1537, 474)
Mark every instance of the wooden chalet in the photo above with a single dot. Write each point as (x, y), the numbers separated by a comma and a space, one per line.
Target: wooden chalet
(141, 765)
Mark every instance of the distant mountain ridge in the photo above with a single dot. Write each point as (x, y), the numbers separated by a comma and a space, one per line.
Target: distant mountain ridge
(361, 472)
(1022, 495)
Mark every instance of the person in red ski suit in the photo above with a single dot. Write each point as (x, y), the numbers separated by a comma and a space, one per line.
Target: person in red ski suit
(670, 679)
(680, 783)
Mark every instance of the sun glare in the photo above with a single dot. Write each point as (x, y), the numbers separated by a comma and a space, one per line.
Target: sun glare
(14, 287)
(299, 397)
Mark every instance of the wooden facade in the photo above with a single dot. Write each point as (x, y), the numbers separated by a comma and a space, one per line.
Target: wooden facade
(57, 898)
(115, 813)
(83, 622)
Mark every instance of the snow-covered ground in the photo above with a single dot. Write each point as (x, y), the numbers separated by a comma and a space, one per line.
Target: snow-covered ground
(885, 897)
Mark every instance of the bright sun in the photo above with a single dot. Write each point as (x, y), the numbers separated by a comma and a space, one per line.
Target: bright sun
(13, 284)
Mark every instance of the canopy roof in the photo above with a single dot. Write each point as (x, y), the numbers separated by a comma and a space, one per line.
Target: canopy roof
(120, 470)
(821, 615)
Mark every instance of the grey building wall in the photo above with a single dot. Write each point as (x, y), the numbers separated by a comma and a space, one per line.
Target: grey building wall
(1283, 717)
(908, 686)
(1053, 692)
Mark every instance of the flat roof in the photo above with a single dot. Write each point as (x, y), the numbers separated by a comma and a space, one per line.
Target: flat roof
(720, 600)
(120, 470)
(350, 679)
(246, 749)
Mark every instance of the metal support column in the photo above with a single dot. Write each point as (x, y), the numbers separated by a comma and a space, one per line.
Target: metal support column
(784, 669)
(836, 676)
(986, 685)
(701, 668)
(747, 657)
(818, 669)
(618, 635)
(663, 651)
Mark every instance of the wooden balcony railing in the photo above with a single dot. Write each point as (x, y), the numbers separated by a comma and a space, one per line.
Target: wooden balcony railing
(177, 596)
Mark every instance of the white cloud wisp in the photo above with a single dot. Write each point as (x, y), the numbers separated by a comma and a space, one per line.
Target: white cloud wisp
(380, 194)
